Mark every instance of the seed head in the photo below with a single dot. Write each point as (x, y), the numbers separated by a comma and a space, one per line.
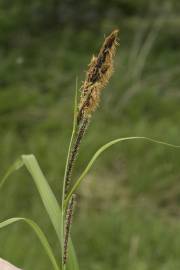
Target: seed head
(68, 221)
(98, 75)
(74, 152)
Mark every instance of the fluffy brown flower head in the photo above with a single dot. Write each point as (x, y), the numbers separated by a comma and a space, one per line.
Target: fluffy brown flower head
(97, 76)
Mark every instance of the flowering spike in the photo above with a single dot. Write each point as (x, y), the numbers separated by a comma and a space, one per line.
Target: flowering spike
(97, 76)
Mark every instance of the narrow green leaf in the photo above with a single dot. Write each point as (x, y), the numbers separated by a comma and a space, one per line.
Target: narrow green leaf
(46, 194)
(50, 203)
(101, 150)
(75, 106)
(39, 234)
(48, 198)
(17, 165)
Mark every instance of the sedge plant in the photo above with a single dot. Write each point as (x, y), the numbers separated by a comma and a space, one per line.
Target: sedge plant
(98, 74)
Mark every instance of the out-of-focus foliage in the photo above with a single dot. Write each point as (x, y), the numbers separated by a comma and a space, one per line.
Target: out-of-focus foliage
(44, 45)
(34, 16)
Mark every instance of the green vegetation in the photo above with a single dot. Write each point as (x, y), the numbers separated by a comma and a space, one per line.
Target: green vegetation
(128, 206)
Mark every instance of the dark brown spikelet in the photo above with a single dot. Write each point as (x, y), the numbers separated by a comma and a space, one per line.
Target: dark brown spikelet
(68, 222)
(97, 76)
(74, 152)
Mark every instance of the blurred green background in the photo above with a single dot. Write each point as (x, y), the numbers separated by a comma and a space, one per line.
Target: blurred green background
(127, 216)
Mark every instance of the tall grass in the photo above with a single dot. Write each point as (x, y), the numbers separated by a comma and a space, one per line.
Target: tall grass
(98, 74)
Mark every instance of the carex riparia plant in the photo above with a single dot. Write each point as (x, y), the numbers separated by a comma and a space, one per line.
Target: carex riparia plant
(97, 77)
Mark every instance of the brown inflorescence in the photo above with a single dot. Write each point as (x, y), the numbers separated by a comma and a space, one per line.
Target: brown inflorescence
(97, 76)
(68, 221)
(74, 152)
